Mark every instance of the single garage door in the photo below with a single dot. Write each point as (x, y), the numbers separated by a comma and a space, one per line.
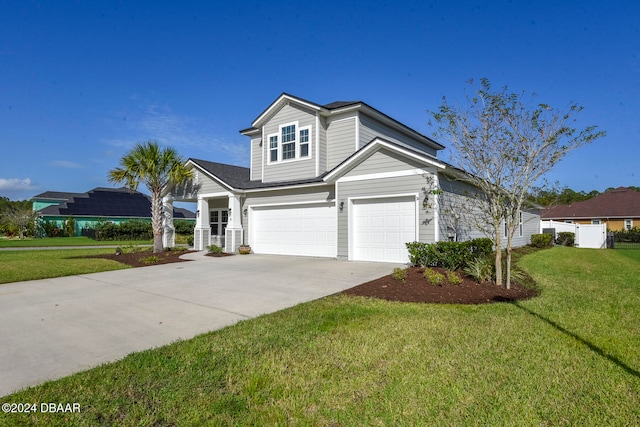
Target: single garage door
(308, 230)
(381, 227)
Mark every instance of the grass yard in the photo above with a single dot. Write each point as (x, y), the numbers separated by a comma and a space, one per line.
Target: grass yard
(22, 265)
(66, 241)
(568, 357)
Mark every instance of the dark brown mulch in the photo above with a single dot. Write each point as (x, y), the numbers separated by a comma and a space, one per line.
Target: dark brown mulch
(220, 255)
(416, 288)
(136, 259)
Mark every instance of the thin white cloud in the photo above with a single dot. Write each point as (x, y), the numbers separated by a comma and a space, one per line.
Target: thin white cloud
(16, 184)
(66, 164)
(157, 122)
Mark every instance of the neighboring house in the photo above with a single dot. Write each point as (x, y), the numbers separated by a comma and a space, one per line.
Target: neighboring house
(100, 204)
(341, 180)
(619, 209)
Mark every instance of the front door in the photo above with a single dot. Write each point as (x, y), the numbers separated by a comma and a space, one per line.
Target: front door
(218, 221)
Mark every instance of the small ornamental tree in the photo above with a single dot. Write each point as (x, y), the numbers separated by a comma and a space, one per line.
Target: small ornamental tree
(156, 168)
(505, 144)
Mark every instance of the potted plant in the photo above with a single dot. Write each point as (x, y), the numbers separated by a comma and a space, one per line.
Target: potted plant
(244, 249)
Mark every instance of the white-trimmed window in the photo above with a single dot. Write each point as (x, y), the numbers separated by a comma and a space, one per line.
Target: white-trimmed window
(595, 222)
(628, 224)
(273, 148)
(520, 224)
(290, 143)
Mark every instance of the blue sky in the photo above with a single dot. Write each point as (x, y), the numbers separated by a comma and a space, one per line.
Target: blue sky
(82, 81)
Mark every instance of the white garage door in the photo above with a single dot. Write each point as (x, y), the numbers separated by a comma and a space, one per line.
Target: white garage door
(381, 227)
(308, 230)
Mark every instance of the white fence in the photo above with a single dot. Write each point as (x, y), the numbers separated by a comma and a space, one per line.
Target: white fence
(587, 235)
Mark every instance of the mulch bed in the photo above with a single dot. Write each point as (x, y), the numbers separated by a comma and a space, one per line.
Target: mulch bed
(136, 259)
(416, 288)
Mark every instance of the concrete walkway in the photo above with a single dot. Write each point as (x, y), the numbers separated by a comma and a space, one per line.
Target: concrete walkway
(55, 327)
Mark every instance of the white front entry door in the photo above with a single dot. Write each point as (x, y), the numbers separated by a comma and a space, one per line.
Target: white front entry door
(308, 230)
(381, 228)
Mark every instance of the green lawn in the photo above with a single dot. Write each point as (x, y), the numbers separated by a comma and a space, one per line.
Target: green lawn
(65, 241)
(19, 265)
(568, 357)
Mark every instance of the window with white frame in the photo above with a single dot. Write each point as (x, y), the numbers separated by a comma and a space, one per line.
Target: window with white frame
(595, 221)
(290, 143)
(273, 148)
(628, 224)
(520, 224)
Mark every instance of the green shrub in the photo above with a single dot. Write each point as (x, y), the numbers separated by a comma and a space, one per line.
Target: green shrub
(183, 226)
(449, 255)
(135, 229)
(453, 277)
(481, 269)
(150, 259)
(190, 240)
(433, 276)
(541, 240)
(630, 236)
(213, 249)
(399, 274)
(566, 238)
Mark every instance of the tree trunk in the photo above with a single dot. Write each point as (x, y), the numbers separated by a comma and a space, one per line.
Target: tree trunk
(508, 281)
(498, 256)
(156, 221)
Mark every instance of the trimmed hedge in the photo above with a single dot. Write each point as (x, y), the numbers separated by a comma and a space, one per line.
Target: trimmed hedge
(541, 240)
(566, 238)
(449, 255)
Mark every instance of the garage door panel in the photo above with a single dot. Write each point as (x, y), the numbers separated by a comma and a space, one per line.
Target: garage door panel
(308, 230)
(382, 227)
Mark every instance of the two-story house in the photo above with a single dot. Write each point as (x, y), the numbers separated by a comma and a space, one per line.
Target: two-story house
(341, 180)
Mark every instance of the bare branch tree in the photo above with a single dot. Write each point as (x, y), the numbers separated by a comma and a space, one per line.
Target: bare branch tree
(505, 144)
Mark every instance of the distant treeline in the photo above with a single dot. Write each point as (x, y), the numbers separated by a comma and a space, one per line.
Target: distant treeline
(565, 196)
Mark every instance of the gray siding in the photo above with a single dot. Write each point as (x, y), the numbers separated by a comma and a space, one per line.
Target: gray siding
(323, 145)
(413, 184)
(207, 185)
(459, 215)
(370, 129)
(530, 225)
(384, 161)
(294, 169)
(341, 139)
(256, 158)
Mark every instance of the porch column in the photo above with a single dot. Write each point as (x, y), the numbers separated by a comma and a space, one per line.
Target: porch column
(233, 235)
(168, 229)
(202, 230)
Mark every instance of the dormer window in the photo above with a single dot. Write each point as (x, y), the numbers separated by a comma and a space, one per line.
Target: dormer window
(290, 143)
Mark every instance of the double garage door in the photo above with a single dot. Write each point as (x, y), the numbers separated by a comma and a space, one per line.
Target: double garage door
(378, 231)
(382, 227)
(308, 230)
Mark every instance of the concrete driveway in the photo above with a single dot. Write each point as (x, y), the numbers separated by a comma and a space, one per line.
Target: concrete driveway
(52, 328)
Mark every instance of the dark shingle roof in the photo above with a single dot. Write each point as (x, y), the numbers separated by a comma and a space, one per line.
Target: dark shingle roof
(235, 176)
(56, 195)
(109, 202)
(340, 104)
(621, 202)
(239, 177)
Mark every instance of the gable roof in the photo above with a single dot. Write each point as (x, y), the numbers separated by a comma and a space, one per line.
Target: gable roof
(109, 203)
(335, 108)
(374, 145)
(621, 202)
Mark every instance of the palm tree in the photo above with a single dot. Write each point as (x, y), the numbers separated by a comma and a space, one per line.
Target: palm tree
(156, 167)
